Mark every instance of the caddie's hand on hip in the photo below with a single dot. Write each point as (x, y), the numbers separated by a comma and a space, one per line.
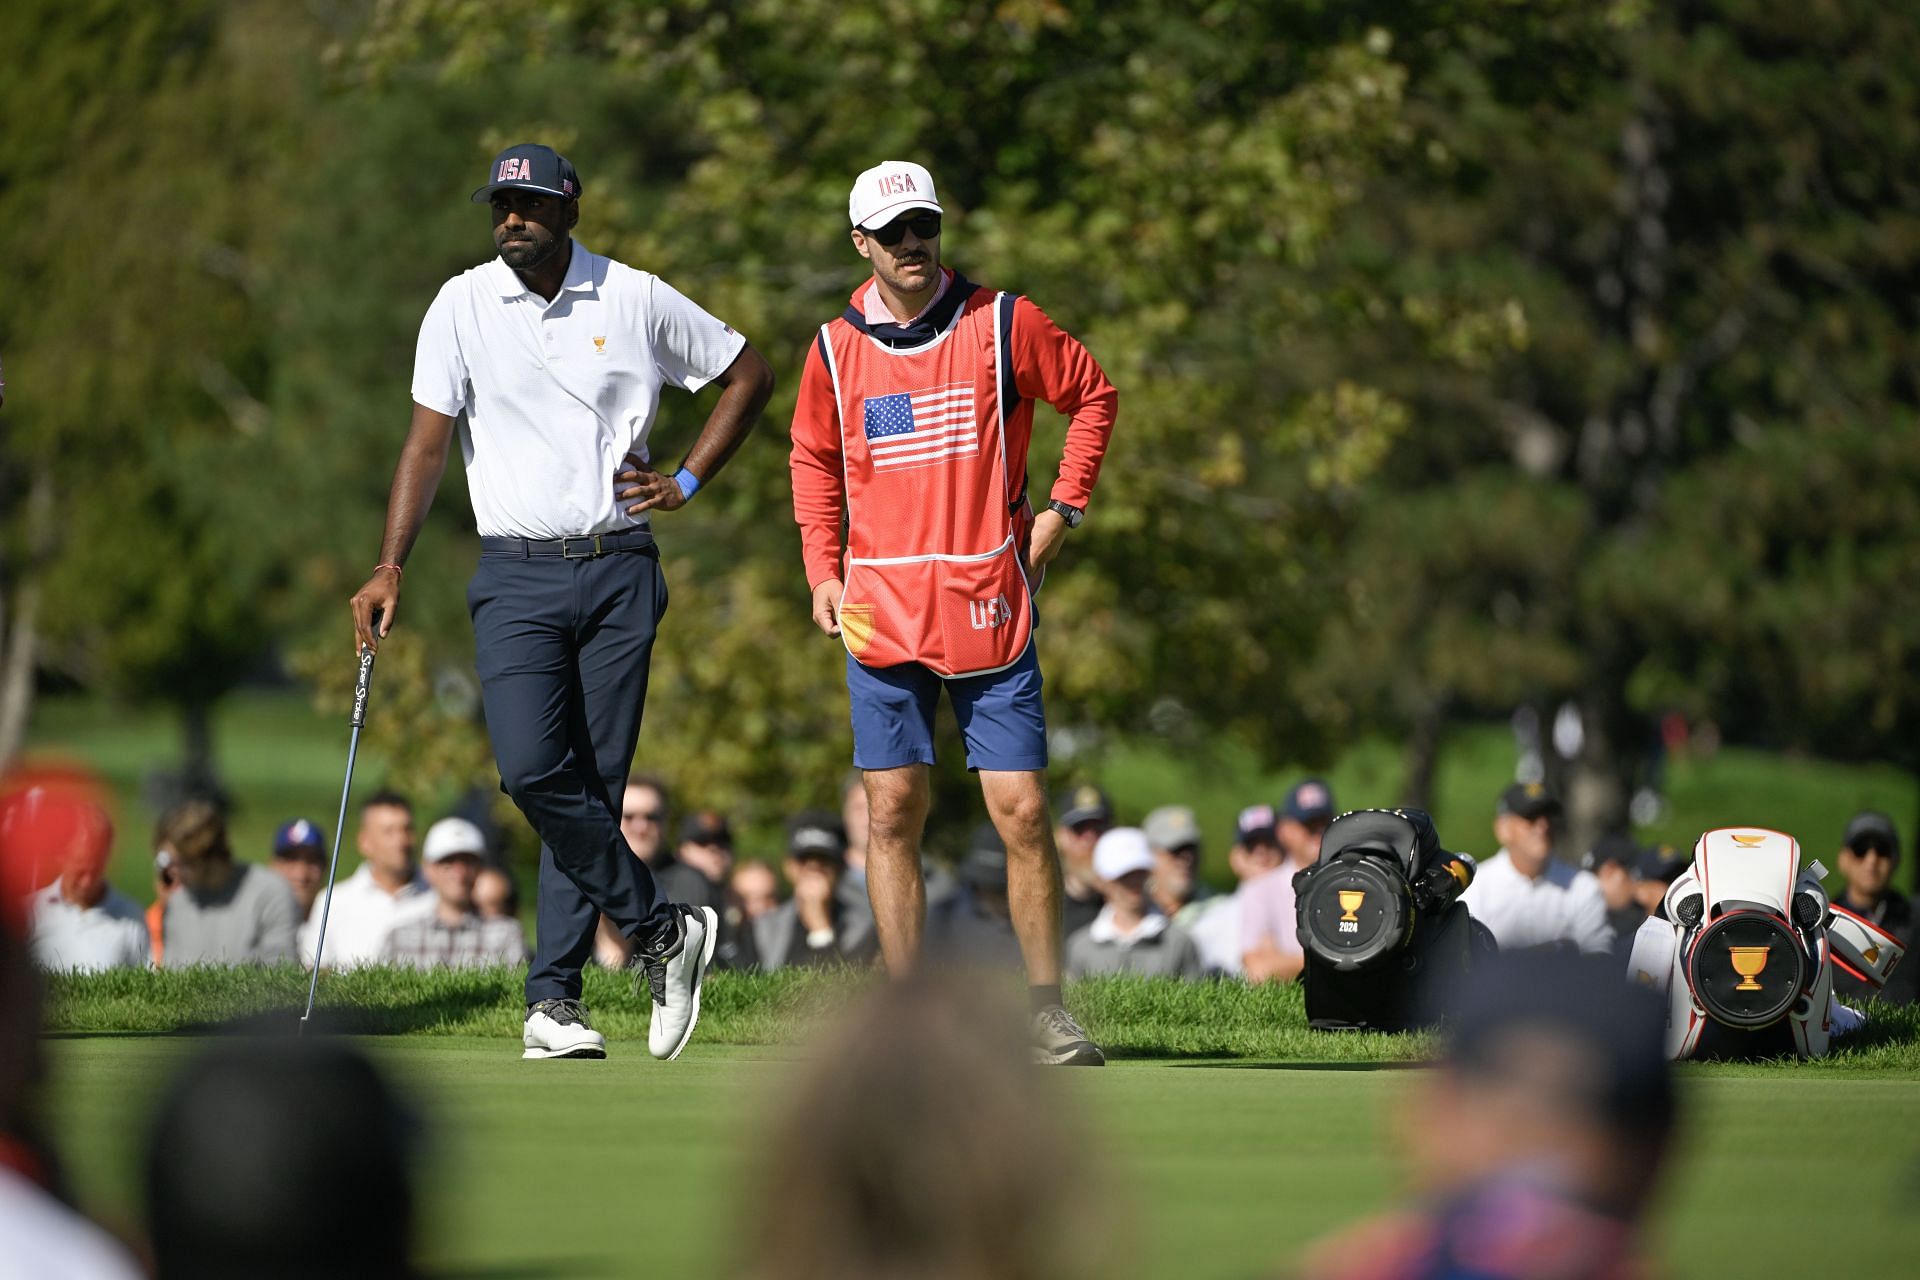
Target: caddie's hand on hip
(379, 598)
(646, 489)
(826, 605)
(1049, 535)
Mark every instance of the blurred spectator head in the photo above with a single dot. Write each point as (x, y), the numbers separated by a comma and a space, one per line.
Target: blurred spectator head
(756, 888)
(1869, 851)
(706, 844)
(1305, 815)
(1553, 1067)
(1174, 833)
(1256, 842)
(1124, 859)
(984, 871)
(453, 853)
(853, 815)
(921, 1143)
(300, 856)
(281, 1158)
(643, 816)
(1085, 814)
(1523, 824)
(386, 837)
(1659, 867)
(1615, 863)
(495, 895)
(83, 862)
(49, 816)
(193, 833)
(816, 848)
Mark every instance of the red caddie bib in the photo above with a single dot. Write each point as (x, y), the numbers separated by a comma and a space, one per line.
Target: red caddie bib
(936, 531)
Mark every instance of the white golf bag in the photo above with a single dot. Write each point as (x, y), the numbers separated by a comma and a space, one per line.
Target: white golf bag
(1746, 953)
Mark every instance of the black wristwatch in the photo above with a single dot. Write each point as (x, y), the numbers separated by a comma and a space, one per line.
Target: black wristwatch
(1072, 515)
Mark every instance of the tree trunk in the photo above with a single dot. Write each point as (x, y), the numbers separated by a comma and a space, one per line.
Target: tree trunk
(197, 773)
(1599, 781)
(1423, 755)
(20, 632)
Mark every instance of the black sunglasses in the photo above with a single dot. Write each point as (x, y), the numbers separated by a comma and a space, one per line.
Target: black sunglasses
(924, 225)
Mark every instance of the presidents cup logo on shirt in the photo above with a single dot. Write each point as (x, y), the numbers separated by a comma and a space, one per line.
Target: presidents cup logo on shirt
(921, 428)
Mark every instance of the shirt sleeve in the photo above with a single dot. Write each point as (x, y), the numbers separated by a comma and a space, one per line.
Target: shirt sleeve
(1591, 932)
(1051, 366)
(439, 366)
(819, 480)
(690, 347)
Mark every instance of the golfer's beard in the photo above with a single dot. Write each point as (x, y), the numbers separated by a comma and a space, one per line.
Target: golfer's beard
(525, 255)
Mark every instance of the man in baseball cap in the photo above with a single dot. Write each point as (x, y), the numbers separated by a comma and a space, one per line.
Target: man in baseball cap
(1255, 852)
(912, 430)
(1174, 832)
(548, 361)
(1304, 817)
(1869, 855)
(455, 935)
(1131, 934)
(1615, 862)
(1085, 815)
(1525, 895)
(300, 856)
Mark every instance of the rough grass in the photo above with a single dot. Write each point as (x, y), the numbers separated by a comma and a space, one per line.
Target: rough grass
(1131, 1017)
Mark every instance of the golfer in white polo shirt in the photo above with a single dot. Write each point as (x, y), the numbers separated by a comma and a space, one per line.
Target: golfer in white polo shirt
(548, 361)
(1526, 896)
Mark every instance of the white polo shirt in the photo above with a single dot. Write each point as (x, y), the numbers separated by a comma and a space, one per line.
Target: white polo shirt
(111, 934)
(362, 916)
(1561, 905)
(552, 395)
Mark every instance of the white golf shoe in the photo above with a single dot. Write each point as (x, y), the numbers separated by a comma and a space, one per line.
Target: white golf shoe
(559, 1029)
(1060, 1041)
(674, 968)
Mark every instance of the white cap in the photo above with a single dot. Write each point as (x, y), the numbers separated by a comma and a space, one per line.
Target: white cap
(1121, 850)
(450, 836)
(888, 190)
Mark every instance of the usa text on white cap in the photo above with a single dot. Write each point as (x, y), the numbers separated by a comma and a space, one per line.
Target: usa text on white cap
(889, 189)
(1121, 850)
(450, 836)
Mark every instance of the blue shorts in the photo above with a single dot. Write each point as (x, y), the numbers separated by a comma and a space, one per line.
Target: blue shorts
(1000, 716)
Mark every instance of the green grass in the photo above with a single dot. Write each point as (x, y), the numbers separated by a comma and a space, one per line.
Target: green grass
(1221, 1169)
(1131, 1016)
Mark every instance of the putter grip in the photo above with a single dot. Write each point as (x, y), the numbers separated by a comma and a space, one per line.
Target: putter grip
(364, 680)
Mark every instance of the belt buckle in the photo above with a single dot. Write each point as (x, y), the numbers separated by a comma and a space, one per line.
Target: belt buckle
(566, 543)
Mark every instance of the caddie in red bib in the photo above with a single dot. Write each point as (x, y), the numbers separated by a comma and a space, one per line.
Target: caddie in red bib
(914, 417)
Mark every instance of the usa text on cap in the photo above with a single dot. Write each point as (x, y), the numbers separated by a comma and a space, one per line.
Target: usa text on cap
(888, 190)
(528, 166)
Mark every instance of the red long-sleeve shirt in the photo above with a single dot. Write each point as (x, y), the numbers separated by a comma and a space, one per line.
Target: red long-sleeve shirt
(1048, 365)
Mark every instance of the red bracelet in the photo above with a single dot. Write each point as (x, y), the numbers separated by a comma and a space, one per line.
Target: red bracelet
(396, 568)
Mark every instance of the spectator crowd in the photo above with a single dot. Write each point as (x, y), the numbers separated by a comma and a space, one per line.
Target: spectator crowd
(1136, 899)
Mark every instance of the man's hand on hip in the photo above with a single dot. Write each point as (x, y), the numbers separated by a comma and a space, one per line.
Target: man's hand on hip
(1049, 535)
(647, 489)
(826, 605)
(380, 596)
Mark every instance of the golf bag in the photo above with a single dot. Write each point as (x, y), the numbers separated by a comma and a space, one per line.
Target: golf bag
(1379, 919)
(1746, 954)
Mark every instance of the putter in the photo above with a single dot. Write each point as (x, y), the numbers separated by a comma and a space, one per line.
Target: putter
(353, 748)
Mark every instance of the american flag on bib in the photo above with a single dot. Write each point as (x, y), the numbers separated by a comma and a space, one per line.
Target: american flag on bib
(916, 428)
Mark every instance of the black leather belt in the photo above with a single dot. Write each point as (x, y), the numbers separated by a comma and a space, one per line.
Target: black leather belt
(585, 546)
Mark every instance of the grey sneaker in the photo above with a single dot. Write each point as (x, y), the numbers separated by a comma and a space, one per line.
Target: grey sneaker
(674, 968)
(559, 1029)
(1059, 1041)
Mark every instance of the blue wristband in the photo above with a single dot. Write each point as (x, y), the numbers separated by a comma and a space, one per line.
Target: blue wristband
(689, 483)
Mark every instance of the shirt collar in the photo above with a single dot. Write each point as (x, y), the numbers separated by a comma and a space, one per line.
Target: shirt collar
(877, 311)
(1103, 928)
(579, 279)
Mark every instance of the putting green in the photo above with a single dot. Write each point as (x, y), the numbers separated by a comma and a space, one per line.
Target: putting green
(1220, 1168)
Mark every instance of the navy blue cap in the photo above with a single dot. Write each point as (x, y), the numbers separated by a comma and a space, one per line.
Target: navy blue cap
(1529, 800)
(1309, 801)
(529, 166)
(297, 834)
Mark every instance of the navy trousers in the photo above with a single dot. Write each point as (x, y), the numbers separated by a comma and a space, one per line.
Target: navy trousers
(562, 649)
